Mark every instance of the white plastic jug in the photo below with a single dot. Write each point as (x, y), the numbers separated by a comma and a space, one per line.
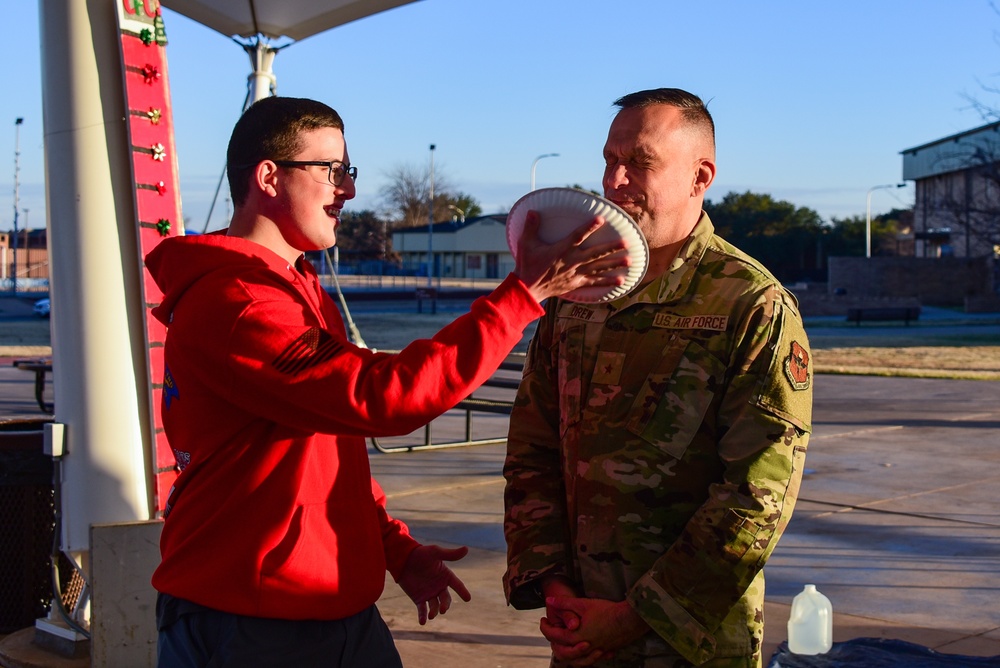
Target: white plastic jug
(810, 624)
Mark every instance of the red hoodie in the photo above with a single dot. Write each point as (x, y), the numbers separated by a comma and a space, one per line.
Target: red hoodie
(275, 513)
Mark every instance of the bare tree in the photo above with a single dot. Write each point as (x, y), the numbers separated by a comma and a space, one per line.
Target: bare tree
(969, 200)
(407, 192)
(404, 197)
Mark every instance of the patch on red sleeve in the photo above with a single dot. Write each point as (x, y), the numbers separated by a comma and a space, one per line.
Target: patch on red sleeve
(314, 347)
(169, 387)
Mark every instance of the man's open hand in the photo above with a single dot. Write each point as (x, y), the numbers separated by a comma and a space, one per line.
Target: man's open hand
(426, 580)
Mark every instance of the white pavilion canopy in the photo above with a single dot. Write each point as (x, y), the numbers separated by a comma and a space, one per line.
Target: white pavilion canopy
(294, 19)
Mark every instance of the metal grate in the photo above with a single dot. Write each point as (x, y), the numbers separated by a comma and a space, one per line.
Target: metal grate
(27, 526)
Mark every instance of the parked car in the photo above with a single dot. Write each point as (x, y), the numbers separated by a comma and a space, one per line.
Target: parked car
(43, 307)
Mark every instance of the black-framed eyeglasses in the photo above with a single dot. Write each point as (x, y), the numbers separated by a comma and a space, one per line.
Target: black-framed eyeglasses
(337, 169)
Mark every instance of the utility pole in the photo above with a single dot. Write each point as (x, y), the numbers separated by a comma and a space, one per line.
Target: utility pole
(26, 230)
(430, 227)
(17, 203)
(430, 243)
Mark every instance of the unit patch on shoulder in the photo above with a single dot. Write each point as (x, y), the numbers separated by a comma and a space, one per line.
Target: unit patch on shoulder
(797, 367)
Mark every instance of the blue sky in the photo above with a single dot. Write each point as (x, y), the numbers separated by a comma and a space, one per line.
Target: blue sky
(813, 102)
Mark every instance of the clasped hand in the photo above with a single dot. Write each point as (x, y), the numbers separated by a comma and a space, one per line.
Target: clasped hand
(583, 631)
(426, 580)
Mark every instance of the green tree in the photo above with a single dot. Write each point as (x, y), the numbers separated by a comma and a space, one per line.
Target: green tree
(363, 235)
(846, 236)
(785, 238)
(589, 190)
(887, 230)
(465, 203)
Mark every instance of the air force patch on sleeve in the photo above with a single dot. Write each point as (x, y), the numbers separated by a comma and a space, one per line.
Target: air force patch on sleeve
(797, 367)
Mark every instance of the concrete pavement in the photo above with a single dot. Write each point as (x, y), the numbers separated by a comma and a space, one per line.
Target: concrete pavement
(897, 525)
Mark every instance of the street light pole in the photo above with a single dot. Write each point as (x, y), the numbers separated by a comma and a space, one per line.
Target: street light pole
(17, 202)
(868, 214)
(430, 227)
(381, 266)
(27, 251)
(535, 163)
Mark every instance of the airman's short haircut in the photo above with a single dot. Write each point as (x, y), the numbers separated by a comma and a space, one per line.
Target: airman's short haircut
(692, 108)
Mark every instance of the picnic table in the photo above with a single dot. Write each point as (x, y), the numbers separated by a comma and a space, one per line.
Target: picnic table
(40, 367)
(883, 313)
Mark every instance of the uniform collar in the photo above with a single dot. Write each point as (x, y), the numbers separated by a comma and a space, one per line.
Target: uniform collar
(675, 282)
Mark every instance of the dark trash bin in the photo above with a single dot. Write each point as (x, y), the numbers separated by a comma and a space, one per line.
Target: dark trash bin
(27, 523)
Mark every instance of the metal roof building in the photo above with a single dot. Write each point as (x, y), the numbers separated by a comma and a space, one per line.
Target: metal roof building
(957, 205)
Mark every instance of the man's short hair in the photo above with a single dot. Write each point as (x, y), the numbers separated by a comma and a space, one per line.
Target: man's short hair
(692, 108)
(270, 130)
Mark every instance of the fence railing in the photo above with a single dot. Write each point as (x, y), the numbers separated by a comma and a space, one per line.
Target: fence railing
(398, 282)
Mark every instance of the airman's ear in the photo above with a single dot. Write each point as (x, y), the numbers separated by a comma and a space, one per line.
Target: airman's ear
(703, 176)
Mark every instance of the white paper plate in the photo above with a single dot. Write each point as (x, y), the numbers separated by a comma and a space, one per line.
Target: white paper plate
(563, 210)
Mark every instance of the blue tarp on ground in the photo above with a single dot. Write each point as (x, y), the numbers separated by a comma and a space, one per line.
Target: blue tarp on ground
(878, 653)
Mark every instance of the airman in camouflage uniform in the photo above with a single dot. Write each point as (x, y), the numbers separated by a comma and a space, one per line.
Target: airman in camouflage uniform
(655, 453)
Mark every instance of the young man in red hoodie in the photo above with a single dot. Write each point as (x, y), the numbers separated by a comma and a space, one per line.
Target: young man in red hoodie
(276, 538)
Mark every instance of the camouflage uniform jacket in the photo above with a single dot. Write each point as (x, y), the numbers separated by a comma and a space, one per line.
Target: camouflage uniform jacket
(656, 449)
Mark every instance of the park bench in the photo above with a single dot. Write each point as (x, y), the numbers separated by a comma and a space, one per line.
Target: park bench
(471, 405)
(882, 314)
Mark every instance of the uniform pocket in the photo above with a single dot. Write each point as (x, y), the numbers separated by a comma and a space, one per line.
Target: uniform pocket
(674, 399)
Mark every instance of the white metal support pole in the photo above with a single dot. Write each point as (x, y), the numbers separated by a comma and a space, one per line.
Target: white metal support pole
(261, 80)
(98, 316)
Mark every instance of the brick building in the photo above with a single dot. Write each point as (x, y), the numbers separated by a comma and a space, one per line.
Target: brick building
(31, 258)
(957, 206)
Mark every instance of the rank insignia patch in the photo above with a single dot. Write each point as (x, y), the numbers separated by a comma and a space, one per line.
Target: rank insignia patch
(608, 370)
(797, 367)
